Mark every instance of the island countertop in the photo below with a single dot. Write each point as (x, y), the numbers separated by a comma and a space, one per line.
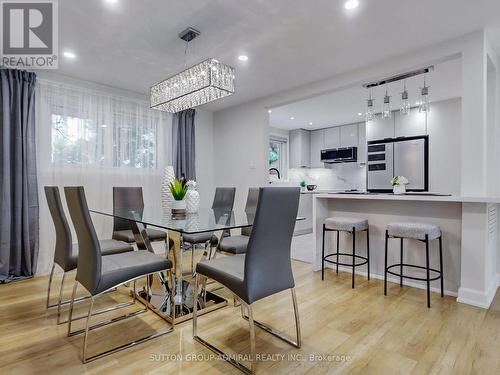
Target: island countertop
(413, 197)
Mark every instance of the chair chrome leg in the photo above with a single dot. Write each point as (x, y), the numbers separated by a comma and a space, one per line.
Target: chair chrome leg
(297, 319)
(88, 328)
(50, 284)
(242, 305)
(216, 350)
(252, 339)
(195, 307)
(87, 324)
(280, 335)
(70, 316)
(192, 259)
(116, 307)
(60, 299)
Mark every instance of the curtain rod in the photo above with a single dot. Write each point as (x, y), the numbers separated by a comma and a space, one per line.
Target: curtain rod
(399, 77)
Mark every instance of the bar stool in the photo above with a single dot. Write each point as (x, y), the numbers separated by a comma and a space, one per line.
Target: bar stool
(420, 232)
(349, 225)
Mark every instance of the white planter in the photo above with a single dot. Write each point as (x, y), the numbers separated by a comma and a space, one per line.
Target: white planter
(399, 189)
(179, 205)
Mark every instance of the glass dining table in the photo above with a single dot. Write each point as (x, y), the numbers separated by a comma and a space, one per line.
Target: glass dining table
(179, 308)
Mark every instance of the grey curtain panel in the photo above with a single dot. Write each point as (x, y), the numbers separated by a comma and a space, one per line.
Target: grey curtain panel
(18, 183)
(184, 143)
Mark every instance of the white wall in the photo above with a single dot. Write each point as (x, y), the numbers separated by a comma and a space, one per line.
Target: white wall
(444, 127)
(241, 137)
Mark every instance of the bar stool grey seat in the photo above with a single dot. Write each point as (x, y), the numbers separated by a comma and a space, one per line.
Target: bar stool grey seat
(351, 226)
(66, 252)
(237, 244)
(264, 270)
(421, 232)
(223, 202)
(126, 197)
(98, 274)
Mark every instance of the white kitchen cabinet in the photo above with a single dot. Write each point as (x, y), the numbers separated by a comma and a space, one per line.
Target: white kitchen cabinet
(362, 148)
(317, 144)
(380, 128)
(410, 125)
(349, 135)
(300, 148)
(305, 210)
(332, 137)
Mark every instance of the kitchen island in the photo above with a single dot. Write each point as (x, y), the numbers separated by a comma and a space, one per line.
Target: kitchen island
(469, 226)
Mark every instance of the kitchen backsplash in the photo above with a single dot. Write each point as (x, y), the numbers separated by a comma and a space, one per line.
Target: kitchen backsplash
(334, 177)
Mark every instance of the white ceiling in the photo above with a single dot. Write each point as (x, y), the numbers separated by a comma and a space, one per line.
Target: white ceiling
(343, 106)
(133, 44)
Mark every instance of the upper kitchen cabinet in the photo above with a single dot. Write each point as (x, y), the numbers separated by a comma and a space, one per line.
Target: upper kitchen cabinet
(380, 128)
(317, 144)
(300, 148)
(332, 137)
(411, 124)
(349, 135)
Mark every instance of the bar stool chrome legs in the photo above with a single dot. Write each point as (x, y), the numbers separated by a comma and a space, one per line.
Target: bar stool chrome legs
(423, 236)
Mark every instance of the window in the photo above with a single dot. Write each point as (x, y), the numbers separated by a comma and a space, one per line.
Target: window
(134, 146)
(83, 142)
(278, 156)
(76, 141)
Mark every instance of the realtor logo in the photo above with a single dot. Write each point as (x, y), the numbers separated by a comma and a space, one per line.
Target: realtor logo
(29, 34)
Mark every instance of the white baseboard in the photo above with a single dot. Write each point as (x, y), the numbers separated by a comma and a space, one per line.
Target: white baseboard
(478, 299)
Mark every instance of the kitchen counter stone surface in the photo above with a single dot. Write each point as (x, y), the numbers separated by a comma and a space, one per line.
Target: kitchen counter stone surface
(413, 197)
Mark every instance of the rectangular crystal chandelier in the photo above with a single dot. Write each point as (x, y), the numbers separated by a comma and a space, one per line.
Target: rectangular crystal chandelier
(202, 83)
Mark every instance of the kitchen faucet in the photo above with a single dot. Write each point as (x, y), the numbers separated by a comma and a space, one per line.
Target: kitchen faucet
(277, 171)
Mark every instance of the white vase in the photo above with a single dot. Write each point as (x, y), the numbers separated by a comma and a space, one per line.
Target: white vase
(166, 195)
(399, 189)
(179, 205)
(192, 198)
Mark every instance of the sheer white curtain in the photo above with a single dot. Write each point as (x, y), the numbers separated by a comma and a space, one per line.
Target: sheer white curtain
(97, 140)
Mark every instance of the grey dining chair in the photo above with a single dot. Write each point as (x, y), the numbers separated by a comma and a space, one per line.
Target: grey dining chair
(238, 244)
(99, 275)
(223, 202)
(264, 270)
(132, 198)
(66, 252)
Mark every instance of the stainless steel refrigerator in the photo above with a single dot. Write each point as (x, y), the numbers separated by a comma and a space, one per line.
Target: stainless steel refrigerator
(404, 156)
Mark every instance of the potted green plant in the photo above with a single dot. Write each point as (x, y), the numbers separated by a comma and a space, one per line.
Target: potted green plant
(399, 184)
(178, 190)
(302, 185)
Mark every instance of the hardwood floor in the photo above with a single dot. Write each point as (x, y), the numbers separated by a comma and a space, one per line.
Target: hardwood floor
(372, 333)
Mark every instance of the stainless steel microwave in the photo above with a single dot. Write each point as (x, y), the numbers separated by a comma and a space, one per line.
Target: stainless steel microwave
(340, 155)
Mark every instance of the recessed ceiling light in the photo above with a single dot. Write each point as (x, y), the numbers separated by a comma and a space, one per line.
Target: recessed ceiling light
(243, 57)
(310, 123)
(269, 111)
(351, 4)
(112, 1)
(292, 118)
(69, 55)
(360, 114)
